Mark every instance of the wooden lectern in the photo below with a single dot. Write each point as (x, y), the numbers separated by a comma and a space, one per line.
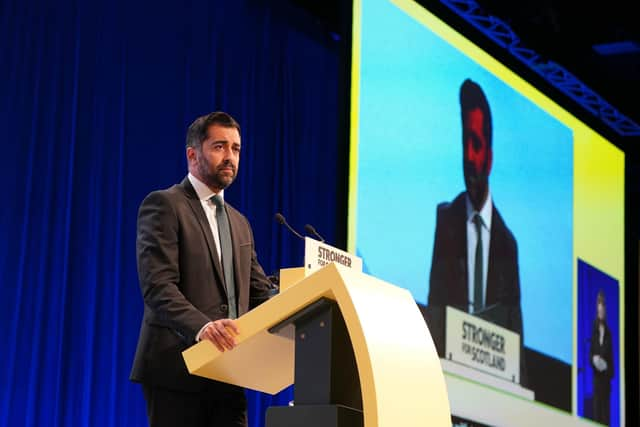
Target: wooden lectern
(357, 348)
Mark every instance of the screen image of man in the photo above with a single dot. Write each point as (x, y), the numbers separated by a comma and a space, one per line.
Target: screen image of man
(198, 271)
(475, 256)
(601, 358)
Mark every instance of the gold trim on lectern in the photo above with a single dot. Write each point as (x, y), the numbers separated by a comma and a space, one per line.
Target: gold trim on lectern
(290, 276)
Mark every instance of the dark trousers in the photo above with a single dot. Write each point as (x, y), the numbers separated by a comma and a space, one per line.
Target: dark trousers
(601, 400)
(208, 408)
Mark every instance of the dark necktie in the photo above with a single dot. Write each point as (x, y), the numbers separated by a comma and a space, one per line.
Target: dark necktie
(226, 255)
(477, 274)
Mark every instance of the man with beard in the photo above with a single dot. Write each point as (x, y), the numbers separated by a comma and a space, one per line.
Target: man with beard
(198, 271)
(475, 256)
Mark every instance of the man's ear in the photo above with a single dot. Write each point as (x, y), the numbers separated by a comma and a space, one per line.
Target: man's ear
(191, 154)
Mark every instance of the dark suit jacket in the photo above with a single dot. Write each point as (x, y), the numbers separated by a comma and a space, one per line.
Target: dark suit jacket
(602, 379)
(182, 282)
(448, 283)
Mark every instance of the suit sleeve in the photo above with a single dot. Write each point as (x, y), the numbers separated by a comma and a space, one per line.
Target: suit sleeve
(514, 309)
(604, 350)
(436, 301)
(437, 289)
(608, 354)
(260, 286)
(514, 299)
(158, 268)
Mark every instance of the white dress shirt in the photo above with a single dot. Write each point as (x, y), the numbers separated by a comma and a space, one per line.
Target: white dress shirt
(204, 194)
(472, 239)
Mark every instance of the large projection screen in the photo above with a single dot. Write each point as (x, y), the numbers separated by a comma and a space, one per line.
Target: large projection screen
(553, 234)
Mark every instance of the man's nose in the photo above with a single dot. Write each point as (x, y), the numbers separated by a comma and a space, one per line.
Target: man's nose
(228, 153)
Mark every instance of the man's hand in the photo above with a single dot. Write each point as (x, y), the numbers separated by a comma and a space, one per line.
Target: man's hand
(221, 333)
(599, 363)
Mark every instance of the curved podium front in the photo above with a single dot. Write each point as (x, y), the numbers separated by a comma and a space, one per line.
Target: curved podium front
(357, 348)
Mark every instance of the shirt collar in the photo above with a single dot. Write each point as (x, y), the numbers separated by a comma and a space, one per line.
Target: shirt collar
(203, 192)
(485, 212)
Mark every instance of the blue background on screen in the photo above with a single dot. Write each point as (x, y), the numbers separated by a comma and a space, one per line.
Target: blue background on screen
(590, 281)
(410, 160)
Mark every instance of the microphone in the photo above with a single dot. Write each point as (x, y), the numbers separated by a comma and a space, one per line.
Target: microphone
(309, 229)
(280, 220)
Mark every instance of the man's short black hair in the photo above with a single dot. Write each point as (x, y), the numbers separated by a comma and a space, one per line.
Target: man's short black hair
(472, 97)
(197, 132)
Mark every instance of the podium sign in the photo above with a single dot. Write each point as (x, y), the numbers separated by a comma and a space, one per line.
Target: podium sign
(482, 345)
(318, 254)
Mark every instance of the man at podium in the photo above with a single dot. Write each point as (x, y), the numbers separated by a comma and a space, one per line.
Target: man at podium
(475, 256)
(198, 271)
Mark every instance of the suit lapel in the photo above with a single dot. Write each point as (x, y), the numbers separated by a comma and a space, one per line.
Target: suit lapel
(461, 280)
(236, 226)
(196, 207)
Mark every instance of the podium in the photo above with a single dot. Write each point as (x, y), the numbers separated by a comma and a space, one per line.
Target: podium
(357, 348)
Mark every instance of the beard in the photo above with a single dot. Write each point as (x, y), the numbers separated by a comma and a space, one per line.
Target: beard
(215, 177)
(477, 188)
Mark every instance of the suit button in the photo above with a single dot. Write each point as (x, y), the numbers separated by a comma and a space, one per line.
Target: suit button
(224, 308)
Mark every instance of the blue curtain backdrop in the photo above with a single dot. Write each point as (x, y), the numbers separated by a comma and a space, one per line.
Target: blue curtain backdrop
(95, 98)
